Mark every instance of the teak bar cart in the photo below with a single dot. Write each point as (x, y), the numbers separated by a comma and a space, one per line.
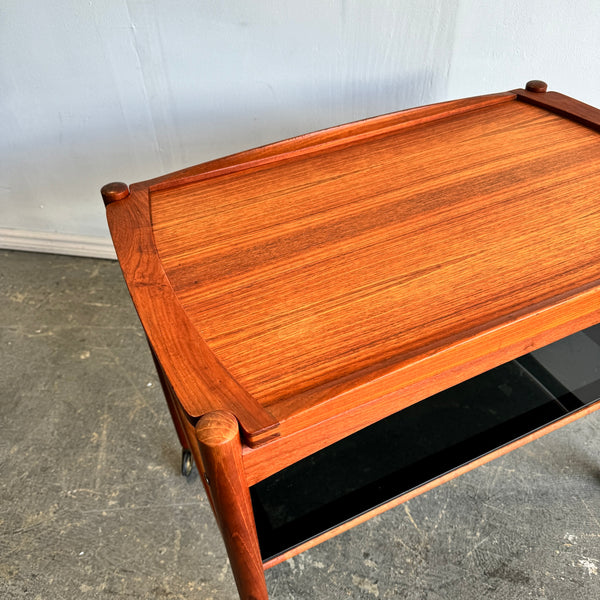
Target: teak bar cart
(343, 320)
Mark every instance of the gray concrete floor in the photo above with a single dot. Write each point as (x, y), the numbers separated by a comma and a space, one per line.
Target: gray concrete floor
(92, 504)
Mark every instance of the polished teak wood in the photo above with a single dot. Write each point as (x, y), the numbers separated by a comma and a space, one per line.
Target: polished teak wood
(296, 293)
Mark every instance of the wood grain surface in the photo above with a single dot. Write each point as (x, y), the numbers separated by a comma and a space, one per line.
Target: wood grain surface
(322, 273)
(318, 284)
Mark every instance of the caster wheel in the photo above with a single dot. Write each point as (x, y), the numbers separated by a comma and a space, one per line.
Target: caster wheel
(186, 462)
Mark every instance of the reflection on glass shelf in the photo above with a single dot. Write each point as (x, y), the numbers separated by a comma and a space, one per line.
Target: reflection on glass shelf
(573, 363)
(425, 441)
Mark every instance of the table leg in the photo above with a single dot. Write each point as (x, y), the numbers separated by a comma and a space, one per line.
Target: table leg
(169, 396)
(221, 451)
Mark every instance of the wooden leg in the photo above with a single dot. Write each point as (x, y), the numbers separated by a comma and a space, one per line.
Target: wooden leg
(221, 451)
(169, 396)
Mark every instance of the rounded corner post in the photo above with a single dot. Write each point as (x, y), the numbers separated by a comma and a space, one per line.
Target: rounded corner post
(220, 445)
(536, 86)
(114, 191)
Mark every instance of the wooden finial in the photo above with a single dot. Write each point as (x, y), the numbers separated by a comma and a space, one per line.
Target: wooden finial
(536, 86)
(112, 192)
(217, 428)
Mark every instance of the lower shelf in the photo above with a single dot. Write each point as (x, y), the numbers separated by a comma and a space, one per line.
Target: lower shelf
(425, 441)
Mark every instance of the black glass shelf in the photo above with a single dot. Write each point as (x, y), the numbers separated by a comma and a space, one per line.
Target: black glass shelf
(424, 441)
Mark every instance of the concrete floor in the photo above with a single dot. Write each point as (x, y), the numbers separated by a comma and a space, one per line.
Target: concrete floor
(92, 504)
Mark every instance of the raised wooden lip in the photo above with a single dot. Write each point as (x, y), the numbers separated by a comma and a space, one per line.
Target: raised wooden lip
(177, 344)
(212, 387)
(564, 106)
(324, 140)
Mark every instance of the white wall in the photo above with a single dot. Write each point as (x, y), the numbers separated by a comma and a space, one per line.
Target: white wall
(106, 90)
(501, 44)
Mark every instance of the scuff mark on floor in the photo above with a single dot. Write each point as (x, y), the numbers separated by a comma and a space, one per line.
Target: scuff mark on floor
(366, 585)
(589, 564)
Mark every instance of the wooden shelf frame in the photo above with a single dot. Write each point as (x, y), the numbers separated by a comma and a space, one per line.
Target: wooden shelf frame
(411, 451)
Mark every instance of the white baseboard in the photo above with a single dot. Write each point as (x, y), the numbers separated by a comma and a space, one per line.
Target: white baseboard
(57, 243)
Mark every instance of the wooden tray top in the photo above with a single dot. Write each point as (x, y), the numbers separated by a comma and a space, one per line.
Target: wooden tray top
(369, 265)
